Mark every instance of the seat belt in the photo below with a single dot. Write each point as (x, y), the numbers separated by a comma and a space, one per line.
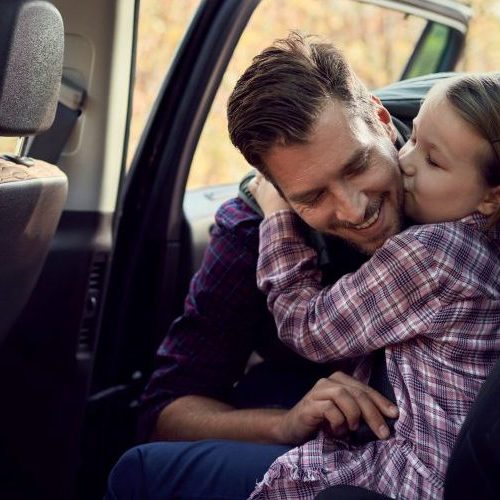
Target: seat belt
(49, 145)
(380, 382)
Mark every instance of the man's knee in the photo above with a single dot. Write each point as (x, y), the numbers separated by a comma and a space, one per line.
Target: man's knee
(148, 471)
(126, 478)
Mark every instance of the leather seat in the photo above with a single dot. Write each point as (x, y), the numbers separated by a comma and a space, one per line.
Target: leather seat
(32, 193)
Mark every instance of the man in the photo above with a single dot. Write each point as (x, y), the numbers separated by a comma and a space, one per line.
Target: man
(344, 183)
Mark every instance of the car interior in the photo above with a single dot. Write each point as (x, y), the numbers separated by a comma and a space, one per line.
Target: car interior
(32, 192)
(98, 246)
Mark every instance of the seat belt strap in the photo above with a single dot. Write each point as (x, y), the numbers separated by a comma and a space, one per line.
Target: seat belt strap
(380, 382)
(49, 145)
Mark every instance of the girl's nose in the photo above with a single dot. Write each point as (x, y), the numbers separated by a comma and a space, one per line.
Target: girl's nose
(405, 161)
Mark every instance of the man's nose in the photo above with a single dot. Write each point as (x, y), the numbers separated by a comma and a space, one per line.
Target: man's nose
(350, 206)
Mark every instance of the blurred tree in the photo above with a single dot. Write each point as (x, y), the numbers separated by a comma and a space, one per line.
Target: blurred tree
(482, 52)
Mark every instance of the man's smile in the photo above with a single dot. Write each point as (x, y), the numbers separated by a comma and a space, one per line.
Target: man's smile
(373, 215)
(370, 221)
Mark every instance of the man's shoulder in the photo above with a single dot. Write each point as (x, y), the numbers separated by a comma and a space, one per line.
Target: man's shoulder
(235, 213)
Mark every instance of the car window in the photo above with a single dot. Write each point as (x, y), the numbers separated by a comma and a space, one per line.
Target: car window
(482, 49)
(161, 27)
(428, 57)
(377, 41)
(10, 145)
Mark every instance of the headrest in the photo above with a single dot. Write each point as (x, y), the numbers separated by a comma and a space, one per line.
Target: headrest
(403, 98)
(31, 58)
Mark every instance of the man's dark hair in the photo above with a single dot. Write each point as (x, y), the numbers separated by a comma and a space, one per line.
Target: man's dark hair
(280, 96)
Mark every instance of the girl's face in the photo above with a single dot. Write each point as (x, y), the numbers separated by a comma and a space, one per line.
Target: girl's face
(440, 163)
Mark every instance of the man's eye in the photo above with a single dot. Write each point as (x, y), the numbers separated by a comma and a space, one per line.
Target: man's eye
(362, 167)
(314, 200)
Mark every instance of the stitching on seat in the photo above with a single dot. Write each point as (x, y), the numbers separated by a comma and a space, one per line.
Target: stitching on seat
(12, 172)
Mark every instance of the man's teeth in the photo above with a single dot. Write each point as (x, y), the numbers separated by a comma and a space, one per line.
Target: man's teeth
(369, 221)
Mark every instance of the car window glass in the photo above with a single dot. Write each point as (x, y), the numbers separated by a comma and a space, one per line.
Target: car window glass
(161, 27)
(10, 145)
(482, 48)
(377, 41)
(429, 56)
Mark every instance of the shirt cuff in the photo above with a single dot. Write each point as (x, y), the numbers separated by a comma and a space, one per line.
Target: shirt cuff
(284, 224)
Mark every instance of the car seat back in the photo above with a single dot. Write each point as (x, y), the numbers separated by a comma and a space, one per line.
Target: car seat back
(32, 193)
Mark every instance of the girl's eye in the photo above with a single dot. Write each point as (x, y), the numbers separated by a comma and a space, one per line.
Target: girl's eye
(431, 162)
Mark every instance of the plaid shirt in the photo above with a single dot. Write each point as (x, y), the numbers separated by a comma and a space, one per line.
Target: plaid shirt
(431, 294)
(206, 349)
(225, 318)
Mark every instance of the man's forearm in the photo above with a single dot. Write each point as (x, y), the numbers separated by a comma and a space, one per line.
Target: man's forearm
(192, 418)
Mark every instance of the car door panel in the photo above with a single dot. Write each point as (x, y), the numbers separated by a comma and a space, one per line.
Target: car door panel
(45, 363)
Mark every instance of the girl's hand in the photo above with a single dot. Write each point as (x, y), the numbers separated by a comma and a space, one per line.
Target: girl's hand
(266, 195)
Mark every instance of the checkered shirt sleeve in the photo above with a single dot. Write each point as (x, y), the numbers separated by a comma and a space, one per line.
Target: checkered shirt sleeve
(392, 298)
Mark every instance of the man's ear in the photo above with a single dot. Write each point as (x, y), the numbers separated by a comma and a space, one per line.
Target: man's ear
(491, 202)
(384, 118)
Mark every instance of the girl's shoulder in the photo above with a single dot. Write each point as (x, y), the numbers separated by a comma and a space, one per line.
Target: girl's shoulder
(452, 239)
(460, 255)
(436, 232)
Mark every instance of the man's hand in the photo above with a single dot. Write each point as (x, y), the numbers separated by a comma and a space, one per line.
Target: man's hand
(339, 401)
(266, 195)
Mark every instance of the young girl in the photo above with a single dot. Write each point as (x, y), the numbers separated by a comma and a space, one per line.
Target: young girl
(430, 296)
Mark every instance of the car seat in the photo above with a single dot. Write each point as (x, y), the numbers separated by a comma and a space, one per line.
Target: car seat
(474, 468)
(32, 193)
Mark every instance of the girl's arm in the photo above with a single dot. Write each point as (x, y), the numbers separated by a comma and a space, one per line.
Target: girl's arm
(393, 297)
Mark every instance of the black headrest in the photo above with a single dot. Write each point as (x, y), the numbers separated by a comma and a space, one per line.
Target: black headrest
(31, 58)
(403, 98)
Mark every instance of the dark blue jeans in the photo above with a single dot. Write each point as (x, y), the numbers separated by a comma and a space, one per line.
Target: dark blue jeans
(212, 469)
